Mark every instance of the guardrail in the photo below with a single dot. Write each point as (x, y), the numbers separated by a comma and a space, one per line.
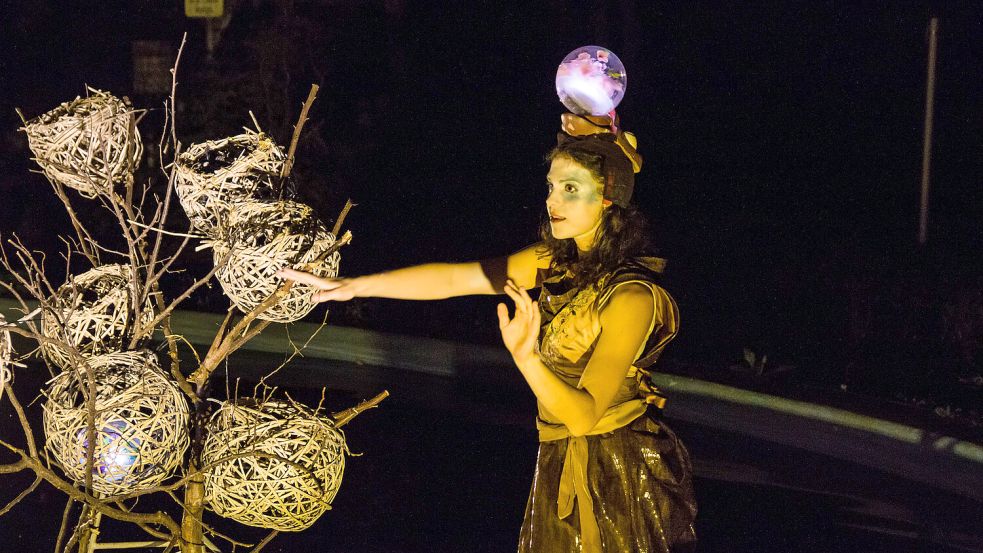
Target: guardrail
(940, 461)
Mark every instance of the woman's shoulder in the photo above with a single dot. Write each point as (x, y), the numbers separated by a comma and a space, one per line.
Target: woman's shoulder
(628, 281)
(634, 275)
(639, 268)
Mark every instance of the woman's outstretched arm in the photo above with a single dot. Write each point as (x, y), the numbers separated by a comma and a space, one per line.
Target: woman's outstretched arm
(431, 281)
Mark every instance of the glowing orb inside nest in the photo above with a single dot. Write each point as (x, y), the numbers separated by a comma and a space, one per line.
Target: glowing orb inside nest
(141, 422)
(591, 80)
(117, 452)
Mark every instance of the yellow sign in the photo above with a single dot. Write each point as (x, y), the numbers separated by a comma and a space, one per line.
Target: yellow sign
(203, 8)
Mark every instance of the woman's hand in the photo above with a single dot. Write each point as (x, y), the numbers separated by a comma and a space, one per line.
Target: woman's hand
(521, 333)
(332, 289)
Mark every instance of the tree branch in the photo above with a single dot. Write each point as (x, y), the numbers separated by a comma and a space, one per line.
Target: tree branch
(342, 418)
(289, 163)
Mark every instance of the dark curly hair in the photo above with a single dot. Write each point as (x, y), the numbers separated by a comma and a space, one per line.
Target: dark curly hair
(622, 234)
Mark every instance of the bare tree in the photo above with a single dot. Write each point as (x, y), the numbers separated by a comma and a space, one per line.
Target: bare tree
(151, 250)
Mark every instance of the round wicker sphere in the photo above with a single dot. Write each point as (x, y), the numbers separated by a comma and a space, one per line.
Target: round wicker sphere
(88, 144)
(141, 423)
(292, 474)
(93, 312)
(265, 237)
(213, 176)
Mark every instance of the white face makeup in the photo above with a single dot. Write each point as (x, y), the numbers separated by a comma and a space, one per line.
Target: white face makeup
(574, 202)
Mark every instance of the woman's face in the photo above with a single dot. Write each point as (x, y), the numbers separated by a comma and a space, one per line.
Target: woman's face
(574, 202)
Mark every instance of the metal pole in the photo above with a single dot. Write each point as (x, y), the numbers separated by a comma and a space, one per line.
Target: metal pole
(933, 33)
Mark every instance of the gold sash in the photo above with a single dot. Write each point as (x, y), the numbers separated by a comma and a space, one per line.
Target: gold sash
(573, 475)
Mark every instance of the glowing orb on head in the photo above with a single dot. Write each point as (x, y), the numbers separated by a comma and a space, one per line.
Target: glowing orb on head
(591, 80)
(115, 454)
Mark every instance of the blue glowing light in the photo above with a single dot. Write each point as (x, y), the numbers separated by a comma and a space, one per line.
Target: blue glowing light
(115, 454)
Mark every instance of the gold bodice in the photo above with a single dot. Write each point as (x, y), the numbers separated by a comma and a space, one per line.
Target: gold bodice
(572, 326)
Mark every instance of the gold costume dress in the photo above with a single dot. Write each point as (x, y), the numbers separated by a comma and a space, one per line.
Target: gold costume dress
(626, 486)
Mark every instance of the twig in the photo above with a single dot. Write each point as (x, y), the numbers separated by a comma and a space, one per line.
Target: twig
(173, 113)
(34, 269)
(342, 418)
(21, 495)
(13, 467)
(167, 264)
(239, 335)
(223, 329)
(341, 218)
(172, 120)
(144, 527)
(337, 245)
(269, 537)
(25, 426)
(64, 524)
(289, 163)
(172, 350)
(173, 305)
(90, 424)
(85, 237)
(297, 351)
(159, 518)
(79, 529)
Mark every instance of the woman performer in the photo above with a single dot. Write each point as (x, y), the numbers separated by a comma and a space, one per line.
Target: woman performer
(583, 348)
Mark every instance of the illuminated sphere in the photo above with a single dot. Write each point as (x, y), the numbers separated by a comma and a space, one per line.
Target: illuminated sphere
(591, 80)
(93, 312)
(293, 472)
(141, 423)
(89, 144)
(263, 238)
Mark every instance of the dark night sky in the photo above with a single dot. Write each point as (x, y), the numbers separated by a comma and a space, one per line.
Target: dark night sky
(782, 139)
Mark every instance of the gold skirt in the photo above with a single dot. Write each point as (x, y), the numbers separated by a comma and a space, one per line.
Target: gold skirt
(640, 478)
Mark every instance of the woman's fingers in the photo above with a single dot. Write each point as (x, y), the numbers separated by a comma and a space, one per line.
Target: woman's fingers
(503, 316)
(328, 295)
(309, 279)
(520, 303)
(523, 303)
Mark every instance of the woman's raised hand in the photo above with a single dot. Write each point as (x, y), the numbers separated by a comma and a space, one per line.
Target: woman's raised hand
(331, 289)
(521, 333)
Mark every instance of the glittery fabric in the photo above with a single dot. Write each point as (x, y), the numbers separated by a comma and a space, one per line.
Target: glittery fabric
(640, 479)
(639, 476)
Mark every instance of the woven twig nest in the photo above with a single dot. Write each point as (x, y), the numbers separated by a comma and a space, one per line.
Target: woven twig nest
(6, 357)
(141, 423)
(213, 176)
(291, 474)
(93, 312)
(263, 238)
(88, 144)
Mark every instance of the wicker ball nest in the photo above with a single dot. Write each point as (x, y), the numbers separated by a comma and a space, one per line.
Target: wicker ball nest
(213, 176)
(292, 475)
(92, 312)
(141, 423)
(88, 144)
(263, 238)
